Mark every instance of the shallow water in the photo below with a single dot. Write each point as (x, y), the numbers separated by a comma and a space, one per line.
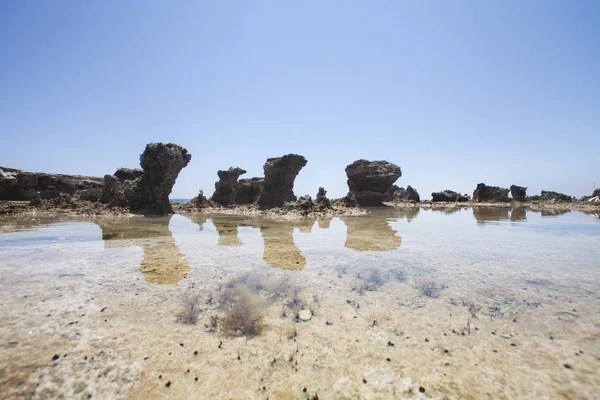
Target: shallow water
(483, 302)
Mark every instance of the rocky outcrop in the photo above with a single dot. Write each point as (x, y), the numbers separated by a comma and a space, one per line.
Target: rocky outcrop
(596, 193)
(248, 190)
(449, 196)
(322, 202)
(555, 197)
(304, 203)
(401, 195)
(280, 174)
(369, 181)
(518, 193)
(226, 187)
(20, 185)
(348, 201)
(487, 194)
(148, 192)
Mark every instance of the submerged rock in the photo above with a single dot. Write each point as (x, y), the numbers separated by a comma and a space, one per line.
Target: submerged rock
(248, 190)
(280, 174)
(370, 180)
(518, 193)
(555, 197)
(226, 187)
(305, 315)
(147, 193)
(449, 196)
(484, 193)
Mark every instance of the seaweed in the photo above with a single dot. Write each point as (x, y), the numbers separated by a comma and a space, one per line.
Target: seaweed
(242, 319)
(429, 289)
(189, 313)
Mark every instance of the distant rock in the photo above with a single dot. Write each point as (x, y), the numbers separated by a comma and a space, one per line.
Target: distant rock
(280, 174)
(304, 203)
(322, 202)
(147, 193)
(596, 193)
(401, 195)
(449, 196)
(370, 180)
(200, 201)
(555, 197)
(226, 187)
(487, 194)
(248, 190)
(16, 184)
(518, 193)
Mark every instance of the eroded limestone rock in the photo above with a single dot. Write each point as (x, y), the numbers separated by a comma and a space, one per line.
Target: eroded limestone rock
(484, 193)
(226, 188)
(449, 196)
(280, 174)
(518, 193)
(370, 180)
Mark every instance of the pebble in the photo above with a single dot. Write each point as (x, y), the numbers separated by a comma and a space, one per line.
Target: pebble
(305, 315)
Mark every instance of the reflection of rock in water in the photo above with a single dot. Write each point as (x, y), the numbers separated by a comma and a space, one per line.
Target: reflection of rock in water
(228, 231)
(518, 214)
(163, 261)
(490, 214)
(280, 250)
(370, 233)
(324, 223)
(553, 212)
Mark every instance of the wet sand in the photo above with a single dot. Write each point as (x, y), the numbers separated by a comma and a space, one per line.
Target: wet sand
(405, 304)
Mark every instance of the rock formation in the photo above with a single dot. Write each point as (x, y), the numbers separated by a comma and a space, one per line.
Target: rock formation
(148, 191)
(226, 187)
(449, 196)
(304, 203)
(348, 201)
(370, 180)
(555, 197)
(401, 195)
(322, 202)
(518, 193)
(20, 185)
(248, 190)
(484, 193)
(280, 174)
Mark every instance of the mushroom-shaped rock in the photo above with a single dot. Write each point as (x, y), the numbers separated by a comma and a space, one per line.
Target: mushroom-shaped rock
(280, 174)
(484, 193)
(226, 187)
(518, 193)
(370, 180)
(147, 192)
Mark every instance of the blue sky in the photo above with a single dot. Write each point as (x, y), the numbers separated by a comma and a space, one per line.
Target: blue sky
(455, 92)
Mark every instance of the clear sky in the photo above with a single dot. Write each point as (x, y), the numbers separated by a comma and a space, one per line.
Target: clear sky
(455, 92)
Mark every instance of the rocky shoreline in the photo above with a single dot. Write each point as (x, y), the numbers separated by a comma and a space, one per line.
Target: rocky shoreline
(146, 190)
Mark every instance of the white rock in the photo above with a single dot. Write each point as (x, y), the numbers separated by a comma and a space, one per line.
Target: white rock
(305, 315)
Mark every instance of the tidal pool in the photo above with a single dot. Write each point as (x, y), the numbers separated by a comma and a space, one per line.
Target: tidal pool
(473, 303)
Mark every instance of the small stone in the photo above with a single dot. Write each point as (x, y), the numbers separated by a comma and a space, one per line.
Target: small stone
(305, 315)
(55, 357)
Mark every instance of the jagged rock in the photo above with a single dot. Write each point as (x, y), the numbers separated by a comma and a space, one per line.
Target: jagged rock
(304, 203)
(226, 187)
(555, 197)
(518, 193)
(148, 193)
(399, 194)
(280, 174)
(129, 174)
(322, 201)
(92, 195)
(348, 201)
(596, 193)
(248, 190)
(370, 180)
(20, 185)
(449, 196)
(484, 193)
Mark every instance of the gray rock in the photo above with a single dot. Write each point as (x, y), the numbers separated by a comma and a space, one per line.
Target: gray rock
(555, 197)
(226, 188)
(370, 180)
(484, 193)
(280, 174)
(518, 193)
(248, 190)
(449, 196)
